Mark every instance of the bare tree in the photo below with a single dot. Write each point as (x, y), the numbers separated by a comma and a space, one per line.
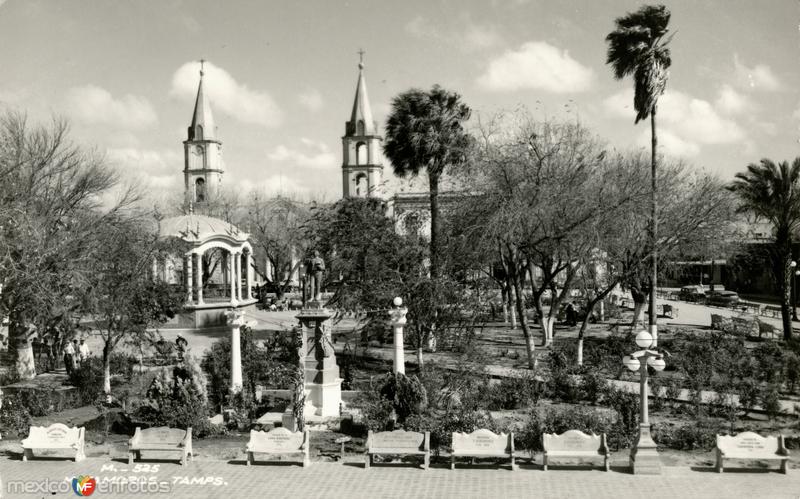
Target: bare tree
(51, 214)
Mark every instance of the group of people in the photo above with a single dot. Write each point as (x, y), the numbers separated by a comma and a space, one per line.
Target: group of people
(75, 355)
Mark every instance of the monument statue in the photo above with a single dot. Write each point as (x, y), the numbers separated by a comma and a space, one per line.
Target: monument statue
(315, 268)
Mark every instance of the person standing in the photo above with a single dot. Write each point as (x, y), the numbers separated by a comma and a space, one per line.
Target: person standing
(69, 358)
(84, 351)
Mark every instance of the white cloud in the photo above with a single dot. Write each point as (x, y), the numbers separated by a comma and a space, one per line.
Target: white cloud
(796, 113)
(732, 102)
(95, 105)
(693, 120)
(670, 143)
(537, 65)
(312, 155)
(153, 170)
(226, 94)
(311, 100)
(469, 36)
(758, 77)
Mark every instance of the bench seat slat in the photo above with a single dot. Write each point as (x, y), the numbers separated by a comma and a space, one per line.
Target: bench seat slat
(396, 451)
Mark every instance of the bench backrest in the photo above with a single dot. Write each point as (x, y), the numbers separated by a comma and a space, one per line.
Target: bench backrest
(277, 440)
(483, 441)
(398, 439)
(575, 440)
(747, 443)
(159, 436)
(57, 435)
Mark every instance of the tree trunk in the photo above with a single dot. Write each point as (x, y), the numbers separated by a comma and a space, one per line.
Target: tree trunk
(419, 358)
(504, 299)
(654, 229)
(639, 302)
(107, 368)
(580, 351)
(512, 305)
(433, 183)
(19, 336)
(786, 293)
(530, 347)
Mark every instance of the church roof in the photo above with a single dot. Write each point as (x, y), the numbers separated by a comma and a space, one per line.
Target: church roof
(202, 116)
(199, 228)
(361, 108)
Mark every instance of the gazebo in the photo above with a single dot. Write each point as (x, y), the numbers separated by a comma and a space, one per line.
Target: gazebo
(216, 270)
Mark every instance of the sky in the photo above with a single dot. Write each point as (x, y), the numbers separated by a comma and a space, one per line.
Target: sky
(281, 77)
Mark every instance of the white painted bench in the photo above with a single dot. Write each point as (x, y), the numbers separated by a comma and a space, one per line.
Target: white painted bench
(398, 443)
(161, 439)
(278, 441)
(749, 445)
(574, 443)
(56, 437)
(482, 444)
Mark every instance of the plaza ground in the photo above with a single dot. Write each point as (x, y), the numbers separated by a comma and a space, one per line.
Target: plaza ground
(218, 479)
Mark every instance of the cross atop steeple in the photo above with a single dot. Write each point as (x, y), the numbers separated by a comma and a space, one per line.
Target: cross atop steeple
(361, 53)
(202, 61)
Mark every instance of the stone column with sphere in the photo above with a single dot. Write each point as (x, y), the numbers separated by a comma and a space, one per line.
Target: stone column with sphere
(236, 320)
(397, 316)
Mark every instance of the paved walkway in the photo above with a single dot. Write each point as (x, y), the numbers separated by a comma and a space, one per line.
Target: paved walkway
(215, 479)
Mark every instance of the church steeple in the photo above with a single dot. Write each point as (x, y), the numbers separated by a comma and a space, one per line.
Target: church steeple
(362, 112)
(361, 166)
(202, 151)
(202, 127)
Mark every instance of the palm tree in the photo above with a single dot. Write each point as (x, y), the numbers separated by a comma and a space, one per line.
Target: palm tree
(638, 47)
(425, 131)
(772, 192)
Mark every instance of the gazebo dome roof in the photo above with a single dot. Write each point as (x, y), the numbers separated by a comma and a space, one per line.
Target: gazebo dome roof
(198, 228)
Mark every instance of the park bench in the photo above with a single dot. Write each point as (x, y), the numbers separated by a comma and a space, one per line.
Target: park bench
(482, 443)
(398, 443)
(771, 311)
(278, 441)
(54, 438)
(161, 439)
(574, 443)
(752, 446)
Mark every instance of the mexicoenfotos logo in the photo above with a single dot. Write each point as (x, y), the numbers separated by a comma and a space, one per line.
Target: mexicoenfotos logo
(84, 485)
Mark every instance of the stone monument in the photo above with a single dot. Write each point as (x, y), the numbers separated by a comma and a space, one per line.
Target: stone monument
(322, 382)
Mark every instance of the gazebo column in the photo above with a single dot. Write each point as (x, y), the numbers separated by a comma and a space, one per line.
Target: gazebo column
(187, 261)
(238, 276)
(232, 273)
(199, 278)
(249, 274)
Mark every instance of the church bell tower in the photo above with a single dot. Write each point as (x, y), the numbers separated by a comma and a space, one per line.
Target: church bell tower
(362, 170)
(202, 151)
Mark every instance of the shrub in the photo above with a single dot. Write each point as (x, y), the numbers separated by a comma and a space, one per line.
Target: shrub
(442, 425)
(792, 370)
(749, 392)
(626, 426)
(41, 402)
(770, 401)
(515, 393)
(406, 394)
(88, 379)
(269, 365)
(593, 384)
(177, 400)
(555, 419)
(14, 416)
(700, 434)
(770, 359)
(121, 364)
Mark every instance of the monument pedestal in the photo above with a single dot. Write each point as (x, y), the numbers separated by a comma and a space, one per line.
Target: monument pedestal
(644, 454)
(322, 382)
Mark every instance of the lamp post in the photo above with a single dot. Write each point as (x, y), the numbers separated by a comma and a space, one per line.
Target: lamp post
(644, 454)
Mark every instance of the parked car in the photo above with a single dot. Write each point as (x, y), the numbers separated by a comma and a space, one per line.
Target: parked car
(722, 298)
(694, 292)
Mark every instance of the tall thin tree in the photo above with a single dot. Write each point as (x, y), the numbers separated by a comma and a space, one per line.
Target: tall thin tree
(772, 192)
(425, 131)
(639, 47)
